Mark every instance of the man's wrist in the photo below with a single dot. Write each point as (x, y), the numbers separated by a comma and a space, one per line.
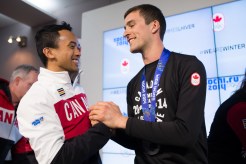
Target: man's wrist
(122, 122)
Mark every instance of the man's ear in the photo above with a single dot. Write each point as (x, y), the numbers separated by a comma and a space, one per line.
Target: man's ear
(17, 80)
(48, 52)
(155, 26)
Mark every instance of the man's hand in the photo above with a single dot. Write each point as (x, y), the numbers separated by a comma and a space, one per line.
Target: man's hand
(108, 113)
(94, 122)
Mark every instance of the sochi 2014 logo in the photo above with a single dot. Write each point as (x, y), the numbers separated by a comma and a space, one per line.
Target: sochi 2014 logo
(218, 22)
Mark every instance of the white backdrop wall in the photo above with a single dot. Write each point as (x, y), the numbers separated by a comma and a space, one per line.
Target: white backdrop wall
(95, 22)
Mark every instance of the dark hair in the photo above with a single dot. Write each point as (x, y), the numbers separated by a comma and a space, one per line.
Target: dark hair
(47, 37)
(150, 13)
(243, 85)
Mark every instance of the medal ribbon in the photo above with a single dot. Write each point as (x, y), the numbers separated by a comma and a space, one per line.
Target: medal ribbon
(149, 112)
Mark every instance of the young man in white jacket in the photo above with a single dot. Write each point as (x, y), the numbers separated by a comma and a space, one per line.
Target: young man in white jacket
(53, 115)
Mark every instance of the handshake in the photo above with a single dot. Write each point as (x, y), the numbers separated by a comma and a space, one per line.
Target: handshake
(108, 113)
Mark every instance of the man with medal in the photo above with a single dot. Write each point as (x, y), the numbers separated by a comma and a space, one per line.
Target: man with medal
(170, 126)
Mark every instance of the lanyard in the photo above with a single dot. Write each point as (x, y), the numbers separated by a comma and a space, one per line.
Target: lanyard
(149, 112)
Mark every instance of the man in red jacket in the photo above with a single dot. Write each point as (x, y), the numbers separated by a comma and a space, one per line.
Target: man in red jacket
(11, 93)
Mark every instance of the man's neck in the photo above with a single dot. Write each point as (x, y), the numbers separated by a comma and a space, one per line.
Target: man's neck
(152, 54)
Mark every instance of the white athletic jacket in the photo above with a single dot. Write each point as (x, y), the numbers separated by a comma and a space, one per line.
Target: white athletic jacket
(51, 112)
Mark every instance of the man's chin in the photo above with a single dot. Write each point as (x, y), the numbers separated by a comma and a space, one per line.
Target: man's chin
(74, 70)
(134, 51)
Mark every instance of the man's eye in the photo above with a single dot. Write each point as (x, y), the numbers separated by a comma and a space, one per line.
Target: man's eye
(131, 25)
(72, 46)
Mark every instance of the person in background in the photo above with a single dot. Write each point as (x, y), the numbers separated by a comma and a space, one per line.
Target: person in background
(11, 93)
(57, 123)
(227, 136)
(165, 100)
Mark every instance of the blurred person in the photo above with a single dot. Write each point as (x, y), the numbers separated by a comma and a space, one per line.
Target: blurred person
(165, 100)
(227, 136)
(57, 124)
(11, 93)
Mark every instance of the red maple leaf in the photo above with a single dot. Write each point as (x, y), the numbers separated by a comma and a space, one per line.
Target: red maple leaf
(124, 63)
(217, 19)
(195, 77)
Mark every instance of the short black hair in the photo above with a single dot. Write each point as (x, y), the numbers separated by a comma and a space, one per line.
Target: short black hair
(47, 36)
(150, 13)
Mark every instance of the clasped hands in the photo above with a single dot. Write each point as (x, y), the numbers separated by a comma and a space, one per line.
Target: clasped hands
(108, 113)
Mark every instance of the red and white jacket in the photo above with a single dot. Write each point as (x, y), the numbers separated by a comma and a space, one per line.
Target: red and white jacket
(8, 126)
(51, 112)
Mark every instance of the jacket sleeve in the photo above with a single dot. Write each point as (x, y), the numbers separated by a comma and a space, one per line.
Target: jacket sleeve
(124, 140)
(80, 148)
(184, 129)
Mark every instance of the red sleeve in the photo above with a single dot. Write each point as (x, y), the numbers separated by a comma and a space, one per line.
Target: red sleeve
(236, 118)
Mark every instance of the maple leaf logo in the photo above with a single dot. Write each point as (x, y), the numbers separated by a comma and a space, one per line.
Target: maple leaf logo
(195, 79)
(125, 66)
(125, 63)
(195, 76)
(217, 19)
(218, 22)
